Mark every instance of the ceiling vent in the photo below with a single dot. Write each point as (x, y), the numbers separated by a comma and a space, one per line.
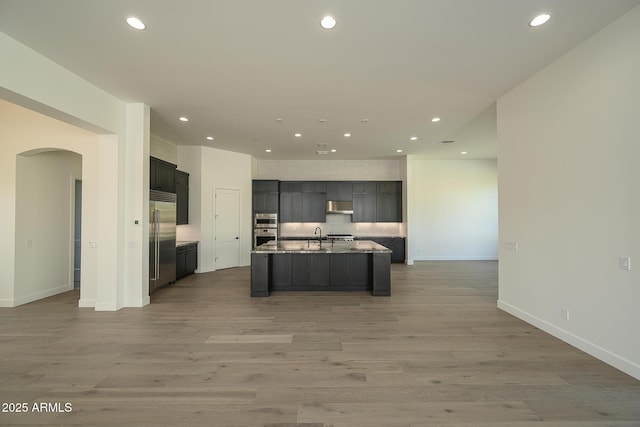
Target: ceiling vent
(322, 152)
(447, 141)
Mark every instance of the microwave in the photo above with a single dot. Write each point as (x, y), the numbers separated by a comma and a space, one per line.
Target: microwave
(265, 220)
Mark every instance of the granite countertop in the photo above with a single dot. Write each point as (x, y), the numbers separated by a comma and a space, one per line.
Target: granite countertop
(304, 247)
(185, 243)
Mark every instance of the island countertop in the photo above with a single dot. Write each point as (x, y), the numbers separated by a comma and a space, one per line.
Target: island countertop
(313, 247)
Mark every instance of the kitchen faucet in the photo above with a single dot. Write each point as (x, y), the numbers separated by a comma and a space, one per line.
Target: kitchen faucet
(320, 236)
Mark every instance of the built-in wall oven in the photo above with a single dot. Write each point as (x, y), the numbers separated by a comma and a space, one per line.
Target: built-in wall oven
(265, 228)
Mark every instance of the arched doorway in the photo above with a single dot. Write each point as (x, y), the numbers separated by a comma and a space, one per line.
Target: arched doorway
(45, 223)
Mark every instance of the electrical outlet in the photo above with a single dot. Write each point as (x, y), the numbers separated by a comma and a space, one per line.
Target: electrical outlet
(624, 263)
(93, 244)
(564, 312)
(511, 246)
(29, 243)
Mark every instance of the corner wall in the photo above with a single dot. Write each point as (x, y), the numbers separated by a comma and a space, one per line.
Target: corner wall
(568, 147)
(209, 169)
(452, 209)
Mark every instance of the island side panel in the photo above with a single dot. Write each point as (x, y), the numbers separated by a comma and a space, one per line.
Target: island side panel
(381, 275)
(259, 275)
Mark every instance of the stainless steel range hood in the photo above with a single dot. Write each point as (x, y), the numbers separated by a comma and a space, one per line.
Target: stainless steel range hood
(337, 207)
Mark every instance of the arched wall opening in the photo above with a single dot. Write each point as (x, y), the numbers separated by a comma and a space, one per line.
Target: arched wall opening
(44, 226)
(35, 251)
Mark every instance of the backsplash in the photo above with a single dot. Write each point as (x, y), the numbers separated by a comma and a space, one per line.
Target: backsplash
(328, 170)
(341, 224)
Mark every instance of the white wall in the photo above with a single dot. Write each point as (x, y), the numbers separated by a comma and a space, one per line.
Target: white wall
(163, 149)
(69, 113)
(210, 168)
(452, 209)
(569, 144)
(44, 232)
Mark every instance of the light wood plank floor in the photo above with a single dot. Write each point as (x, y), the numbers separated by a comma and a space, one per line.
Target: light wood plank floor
(436, 353)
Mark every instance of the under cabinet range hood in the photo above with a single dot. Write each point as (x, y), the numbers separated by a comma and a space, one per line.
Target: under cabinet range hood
(337, 207)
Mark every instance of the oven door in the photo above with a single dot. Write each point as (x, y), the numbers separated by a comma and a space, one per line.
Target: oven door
(264, 235)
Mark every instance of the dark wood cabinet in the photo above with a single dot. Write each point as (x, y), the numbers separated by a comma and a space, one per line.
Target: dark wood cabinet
(356, 271)
(265, 196)
(303, 202)
(281, 273)
(182, 197)
(314, 207)
(340, 191)
(186, 260)
(396, 244)
(365, 187)
(389, 207)
(364, 207)
(162, 175)
(314, 187)
(290, 207)
(291, 186)
(310, 270)
(389, 201)
(350, 271)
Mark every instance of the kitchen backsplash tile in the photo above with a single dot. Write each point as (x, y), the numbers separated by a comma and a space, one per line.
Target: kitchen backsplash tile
(341, 224)
(329, 170)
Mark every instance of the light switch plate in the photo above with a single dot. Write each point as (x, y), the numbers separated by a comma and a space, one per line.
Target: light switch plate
(624, 263)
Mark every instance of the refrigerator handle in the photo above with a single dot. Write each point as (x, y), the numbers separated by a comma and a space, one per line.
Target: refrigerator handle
(156, 244)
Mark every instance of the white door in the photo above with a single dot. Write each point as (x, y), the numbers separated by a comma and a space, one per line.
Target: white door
(227, 228)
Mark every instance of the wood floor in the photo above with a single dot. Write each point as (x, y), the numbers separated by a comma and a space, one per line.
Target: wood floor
(436, 353)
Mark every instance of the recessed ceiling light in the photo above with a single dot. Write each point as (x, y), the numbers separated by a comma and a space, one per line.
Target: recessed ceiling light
(298, 135)
(184, 119)
(365, 120)
(539, 20)
(136, 23)
(435, 119)
(267, 150)
(279, 120)
(210, 138)
(413, 138)
(347, 135)
(398, 151)
(463, 152)
(328, 22)
(333, 150)
(322, 121)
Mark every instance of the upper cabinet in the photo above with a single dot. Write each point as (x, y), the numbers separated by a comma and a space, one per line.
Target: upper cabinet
(162, 175)
(265, 196)
(340, 191)
(389, 202)
(377, 201)
(303, 201)
(182, 197)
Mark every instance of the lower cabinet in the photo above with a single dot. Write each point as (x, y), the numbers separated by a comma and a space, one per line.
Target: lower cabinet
(297, 272)
(186, 260)
(311, 269)
(396, 244)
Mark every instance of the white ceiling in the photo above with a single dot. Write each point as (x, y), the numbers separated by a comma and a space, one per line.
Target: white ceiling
(235, 66)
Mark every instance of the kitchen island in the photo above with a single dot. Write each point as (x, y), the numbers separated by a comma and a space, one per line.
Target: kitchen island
(302, 265)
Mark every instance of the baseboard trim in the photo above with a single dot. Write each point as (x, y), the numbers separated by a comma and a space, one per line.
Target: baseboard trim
(461, 258)
(608, 357)
(40, 295)
(86, 303)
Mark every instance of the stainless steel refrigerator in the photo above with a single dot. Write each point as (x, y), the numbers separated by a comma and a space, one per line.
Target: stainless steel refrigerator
(162, 239)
